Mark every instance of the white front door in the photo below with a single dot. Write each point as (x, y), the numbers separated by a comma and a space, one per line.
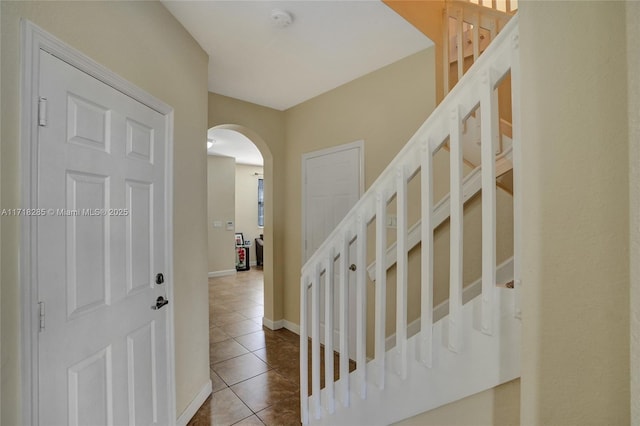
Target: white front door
(333, 183)
(103, 352)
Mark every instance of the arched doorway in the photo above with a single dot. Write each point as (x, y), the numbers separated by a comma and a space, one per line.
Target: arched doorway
(268, 229)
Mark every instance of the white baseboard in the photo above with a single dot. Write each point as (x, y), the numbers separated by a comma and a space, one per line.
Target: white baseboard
(277, 325)
(272, 325)
(291, 326)
(195, 404)
(224, 273)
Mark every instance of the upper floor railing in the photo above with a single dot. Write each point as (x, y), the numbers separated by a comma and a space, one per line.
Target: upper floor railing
(470, 25)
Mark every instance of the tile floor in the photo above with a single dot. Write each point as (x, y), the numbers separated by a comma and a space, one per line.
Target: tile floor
(254, 370)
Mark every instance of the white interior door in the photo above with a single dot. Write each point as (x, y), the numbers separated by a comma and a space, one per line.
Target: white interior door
(332, 185)
(333, 181)
(103, 352)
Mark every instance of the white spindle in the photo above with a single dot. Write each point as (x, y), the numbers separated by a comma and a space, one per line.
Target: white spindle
(516, 84)
(402, 273)
(315, 342)
(381, 287)
(344, 320)
(304, 351)
(489, 130)
(426, 292)
(456, 232)
(361, 307)
(476, 36)
(328, 333)
(459, 42)
(446, 61)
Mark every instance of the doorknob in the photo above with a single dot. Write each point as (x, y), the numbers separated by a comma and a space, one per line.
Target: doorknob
(160, 302)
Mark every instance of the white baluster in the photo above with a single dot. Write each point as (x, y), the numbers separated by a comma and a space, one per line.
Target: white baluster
(446, 59)
(426, 296)
(361, 307)
(489, 131)
(459, 42)
(381, 287)
(344, 320)
(304, 351)
(315, 342)
(516, 84)
(328, 333)
(402, 274)
(476, 36)
(456, 232)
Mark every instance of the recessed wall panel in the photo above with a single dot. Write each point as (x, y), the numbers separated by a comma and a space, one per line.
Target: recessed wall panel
(88, 124)
(142, 375)
(139, 237)
(90, 386)
(88, 279)
(140, 140)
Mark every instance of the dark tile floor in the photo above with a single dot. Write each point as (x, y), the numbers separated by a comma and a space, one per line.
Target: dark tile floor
(254, 370)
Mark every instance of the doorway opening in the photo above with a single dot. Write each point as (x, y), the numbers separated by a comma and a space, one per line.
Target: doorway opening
(239, 225)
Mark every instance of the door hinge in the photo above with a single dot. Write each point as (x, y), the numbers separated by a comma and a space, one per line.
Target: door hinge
(41, 315)
(42, 112)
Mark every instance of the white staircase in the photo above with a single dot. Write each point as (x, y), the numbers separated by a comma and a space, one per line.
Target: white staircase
(447, 354)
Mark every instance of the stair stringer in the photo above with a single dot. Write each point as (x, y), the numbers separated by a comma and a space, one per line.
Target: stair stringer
(483, 362)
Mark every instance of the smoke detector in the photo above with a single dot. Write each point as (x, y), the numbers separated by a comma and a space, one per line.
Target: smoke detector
(281, 18)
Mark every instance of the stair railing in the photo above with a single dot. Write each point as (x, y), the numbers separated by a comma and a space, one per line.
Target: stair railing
(470, 26)
(477, 87)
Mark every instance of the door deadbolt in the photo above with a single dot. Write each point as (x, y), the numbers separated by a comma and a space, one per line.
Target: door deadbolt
(159, 278)
(353, 267)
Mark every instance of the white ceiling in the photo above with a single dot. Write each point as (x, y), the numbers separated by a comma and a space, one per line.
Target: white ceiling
(328, 44)
(229, 143)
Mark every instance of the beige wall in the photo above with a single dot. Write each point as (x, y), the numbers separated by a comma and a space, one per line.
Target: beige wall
(427, 17)
(633, 95)
(575, 366)
(143, 43)
(221, 175)
(499, 406)
(247, 203)
(265, 128)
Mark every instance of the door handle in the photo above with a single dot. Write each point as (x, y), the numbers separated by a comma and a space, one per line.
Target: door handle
(160, 302)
